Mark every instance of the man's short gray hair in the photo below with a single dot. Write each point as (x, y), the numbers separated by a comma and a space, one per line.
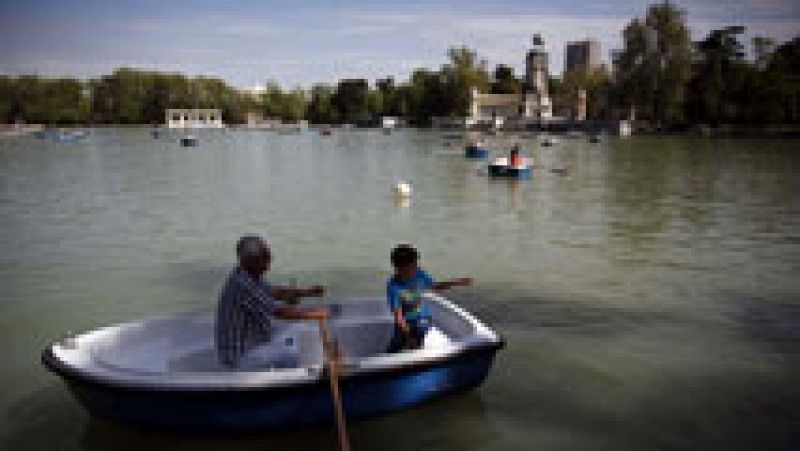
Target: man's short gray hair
(249, 248)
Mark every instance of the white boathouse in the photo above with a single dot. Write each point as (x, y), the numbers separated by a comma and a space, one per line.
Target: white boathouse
(194, 118)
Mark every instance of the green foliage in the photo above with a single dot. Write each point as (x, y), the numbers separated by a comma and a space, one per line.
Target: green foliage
(443, 92)
(130, 96)
(427, 96)
(782, 83)
(725, 88)
(555, 87)
(656, 63)
(393, 99)
(763, 47)
(288, 106)
(716, 84)
(596, 82)
(504, 81)
(49, 101)
(658, 74)
(320, 108)
(458, 77)
(719, 76)
(351, 100)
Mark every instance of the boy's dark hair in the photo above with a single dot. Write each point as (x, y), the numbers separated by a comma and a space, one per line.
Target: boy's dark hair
(403, 255)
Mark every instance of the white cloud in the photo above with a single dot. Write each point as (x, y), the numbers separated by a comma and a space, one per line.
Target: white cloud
(498, 38)
(207, 24)
(326, 45)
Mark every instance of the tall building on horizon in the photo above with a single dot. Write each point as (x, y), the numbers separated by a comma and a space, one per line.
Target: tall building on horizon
(530, 106)
(536, 73)
(585, 54)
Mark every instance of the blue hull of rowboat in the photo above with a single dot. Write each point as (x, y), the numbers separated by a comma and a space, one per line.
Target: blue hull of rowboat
(163, 372)
(510, 172)
(476, 153)
(190, 142)
(46, 134)
(220, 410)
(67, 138)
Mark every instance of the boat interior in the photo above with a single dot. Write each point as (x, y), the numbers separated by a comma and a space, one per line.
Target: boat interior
(503, 161)
(362, 328)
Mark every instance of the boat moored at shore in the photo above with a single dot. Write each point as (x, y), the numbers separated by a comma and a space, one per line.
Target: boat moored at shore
(190, 141)
(61, 135)
(476, 151)
(549, 141)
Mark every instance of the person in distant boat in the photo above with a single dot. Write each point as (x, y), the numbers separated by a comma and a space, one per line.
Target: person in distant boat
(247, 303)
(514, 159)
(404, 293)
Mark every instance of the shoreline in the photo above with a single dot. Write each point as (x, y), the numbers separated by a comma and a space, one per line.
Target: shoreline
(785, 131)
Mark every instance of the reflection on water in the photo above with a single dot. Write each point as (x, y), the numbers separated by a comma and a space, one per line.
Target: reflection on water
(647, 295)
(402, 201)
(434, 425)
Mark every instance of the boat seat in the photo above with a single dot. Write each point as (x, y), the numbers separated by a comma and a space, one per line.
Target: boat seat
(295, 344)
(199, 360)
(362, 329)
(363, 337)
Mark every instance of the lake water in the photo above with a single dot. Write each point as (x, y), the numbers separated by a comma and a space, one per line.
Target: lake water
(649, 297)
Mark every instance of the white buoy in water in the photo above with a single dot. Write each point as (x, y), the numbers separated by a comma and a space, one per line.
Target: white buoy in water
(402, 189)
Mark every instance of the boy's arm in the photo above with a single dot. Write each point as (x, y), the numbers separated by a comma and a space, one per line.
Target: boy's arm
(447, 284)
(400, 320)
(394, 306)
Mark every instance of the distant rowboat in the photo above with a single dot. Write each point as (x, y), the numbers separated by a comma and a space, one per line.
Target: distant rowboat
(61, 136)
(476, 152)
(44, 134)
(190, 141)
(500, 167)
(548, 141)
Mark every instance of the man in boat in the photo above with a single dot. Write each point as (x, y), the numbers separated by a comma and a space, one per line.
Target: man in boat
(247, 303)
(404, 292)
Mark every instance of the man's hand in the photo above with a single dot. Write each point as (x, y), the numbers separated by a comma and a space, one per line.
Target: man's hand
(464, 281)
(292, 295)
(317, 314)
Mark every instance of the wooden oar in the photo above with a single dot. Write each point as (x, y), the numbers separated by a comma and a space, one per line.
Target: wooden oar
(332, 356)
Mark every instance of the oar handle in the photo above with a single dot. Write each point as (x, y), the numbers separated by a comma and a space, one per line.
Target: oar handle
(332, 356)
(327, 342)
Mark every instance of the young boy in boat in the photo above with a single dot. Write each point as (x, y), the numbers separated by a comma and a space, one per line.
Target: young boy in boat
(404, 293)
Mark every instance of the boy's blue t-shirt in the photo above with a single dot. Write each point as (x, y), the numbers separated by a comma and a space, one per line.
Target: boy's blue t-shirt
(406, 295)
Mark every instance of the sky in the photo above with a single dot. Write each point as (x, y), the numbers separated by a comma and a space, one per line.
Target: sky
(248, 43)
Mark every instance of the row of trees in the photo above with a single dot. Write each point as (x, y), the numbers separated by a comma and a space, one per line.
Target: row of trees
(42, 100)
(127, 96)
(130, 96)
(669, 80)
(428, 93)
(660, 75)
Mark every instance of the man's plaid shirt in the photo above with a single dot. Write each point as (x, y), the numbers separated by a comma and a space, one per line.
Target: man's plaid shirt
(243, 316)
